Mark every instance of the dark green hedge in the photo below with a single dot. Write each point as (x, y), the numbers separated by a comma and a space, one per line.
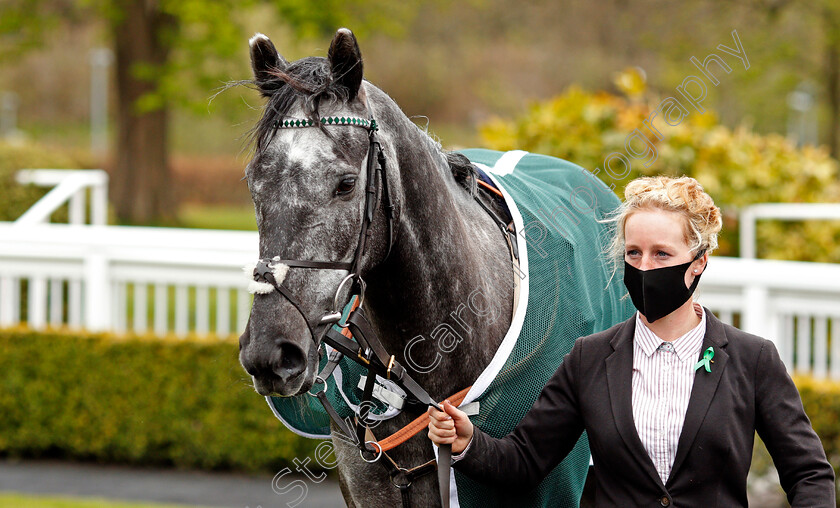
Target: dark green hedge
(150, 401)
(186, 403)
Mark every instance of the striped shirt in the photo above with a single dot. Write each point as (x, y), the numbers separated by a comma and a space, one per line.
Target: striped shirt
(663, 374)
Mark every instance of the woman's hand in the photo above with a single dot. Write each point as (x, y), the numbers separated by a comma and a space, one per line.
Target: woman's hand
(450, 427)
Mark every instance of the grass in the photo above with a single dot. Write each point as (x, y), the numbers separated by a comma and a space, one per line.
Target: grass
(8, 500)
(218, 217)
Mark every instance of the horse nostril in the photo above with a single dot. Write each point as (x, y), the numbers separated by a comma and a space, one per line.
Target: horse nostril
(292, 360)
(244, 339)
(250, 366)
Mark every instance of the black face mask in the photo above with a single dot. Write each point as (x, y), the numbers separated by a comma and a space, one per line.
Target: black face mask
(659, 292)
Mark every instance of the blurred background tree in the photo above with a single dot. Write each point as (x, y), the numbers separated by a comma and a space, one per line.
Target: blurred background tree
(164, 50)
(450, 65)
(823, 16)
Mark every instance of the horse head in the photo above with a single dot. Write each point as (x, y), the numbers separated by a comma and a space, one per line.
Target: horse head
(309, 183)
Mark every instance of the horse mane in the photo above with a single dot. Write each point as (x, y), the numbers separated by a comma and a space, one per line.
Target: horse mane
(463, 171)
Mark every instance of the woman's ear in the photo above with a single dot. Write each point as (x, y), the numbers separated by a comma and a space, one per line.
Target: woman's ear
(699, 265)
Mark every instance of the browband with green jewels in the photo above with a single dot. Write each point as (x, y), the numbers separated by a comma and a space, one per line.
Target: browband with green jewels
(291, 123)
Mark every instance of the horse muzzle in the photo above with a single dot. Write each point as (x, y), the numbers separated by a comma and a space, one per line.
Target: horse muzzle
(277, 367)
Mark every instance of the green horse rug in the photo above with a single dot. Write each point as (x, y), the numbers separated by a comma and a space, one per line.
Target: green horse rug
(567, 290)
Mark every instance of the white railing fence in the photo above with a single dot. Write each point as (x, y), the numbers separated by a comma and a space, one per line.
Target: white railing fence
(178, 281)
(98, 277)
(125, 278)
(749, 216)
(175, 281)
(69, 186)
(794, 304)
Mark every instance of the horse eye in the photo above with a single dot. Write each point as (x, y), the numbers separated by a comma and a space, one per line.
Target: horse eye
(345, 186)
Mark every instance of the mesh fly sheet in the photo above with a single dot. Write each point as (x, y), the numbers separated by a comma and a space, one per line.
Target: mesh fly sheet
(566, 291)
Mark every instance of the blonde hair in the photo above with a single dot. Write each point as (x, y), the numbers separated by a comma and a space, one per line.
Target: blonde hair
(684, 196)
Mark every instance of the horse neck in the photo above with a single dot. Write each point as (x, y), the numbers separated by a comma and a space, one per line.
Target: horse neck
(448, 249)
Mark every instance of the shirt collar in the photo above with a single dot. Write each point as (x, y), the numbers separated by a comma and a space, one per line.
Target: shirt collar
(687, 346)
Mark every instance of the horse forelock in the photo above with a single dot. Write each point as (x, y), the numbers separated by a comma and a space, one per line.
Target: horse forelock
(302, 86)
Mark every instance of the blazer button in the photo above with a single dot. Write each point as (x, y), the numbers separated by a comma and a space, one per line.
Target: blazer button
(665, 501)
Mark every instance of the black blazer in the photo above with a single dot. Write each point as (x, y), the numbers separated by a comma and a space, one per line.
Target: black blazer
(747, 390)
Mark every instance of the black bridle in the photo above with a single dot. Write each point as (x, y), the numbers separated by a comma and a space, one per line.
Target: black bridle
(367, 350)
(376, 164)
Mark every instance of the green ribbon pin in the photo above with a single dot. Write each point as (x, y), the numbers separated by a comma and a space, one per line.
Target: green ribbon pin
(707, 360)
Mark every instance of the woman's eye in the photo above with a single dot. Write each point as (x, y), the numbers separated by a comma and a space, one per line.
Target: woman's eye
(662, 254)
(345, 186)
(632, 252)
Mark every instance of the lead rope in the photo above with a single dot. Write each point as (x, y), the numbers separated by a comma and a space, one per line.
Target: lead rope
(444, 463)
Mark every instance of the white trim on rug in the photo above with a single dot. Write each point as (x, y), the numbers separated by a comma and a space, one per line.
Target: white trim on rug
(504, 166)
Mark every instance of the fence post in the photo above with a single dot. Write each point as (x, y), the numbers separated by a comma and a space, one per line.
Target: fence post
(99, 201)
(746, 231)
(97, 302)
(756, 316)
(77, 207)
(37, 316)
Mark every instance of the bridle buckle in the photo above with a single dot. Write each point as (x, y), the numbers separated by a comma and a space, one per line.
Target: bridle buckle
(390, 365)
(366, 357)
(332, 317)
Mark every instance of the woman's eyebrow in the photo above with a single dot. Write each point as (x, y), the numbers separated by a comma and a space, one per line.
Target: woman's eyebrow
(663, 246)
(659, 246)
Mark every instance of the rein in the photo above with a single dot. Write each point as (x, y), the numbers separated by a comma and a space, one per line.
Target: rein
(358, 342)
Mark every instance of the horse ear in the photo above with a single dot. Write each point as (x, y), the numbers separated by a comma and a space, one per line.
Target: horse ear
(264, 60)
(346, 61)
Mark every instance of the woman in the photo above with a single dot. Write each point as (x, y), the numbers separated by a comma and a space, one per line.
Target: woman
(670, 398)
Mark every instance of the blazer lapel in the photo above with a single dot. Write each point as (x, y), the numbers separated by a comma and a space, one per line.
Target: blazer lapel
(619, 367)
(705, 385)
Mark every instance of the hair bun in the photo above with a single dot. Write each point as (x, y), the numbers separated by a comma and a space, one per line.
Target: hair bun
(683, 195)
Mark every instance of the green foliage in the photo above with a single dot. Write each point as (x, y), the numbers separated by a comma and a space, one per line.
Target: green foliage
(218, 217)
(23, 24)
(205, 40)
(821, 400)
(736, 166)
(152, 401)
(208, 40)
(325, 17)
(15, 199)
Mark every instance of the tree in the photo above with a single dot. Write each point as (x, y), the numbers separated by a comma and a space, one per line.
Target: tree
(824, 17)
(163, 49)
